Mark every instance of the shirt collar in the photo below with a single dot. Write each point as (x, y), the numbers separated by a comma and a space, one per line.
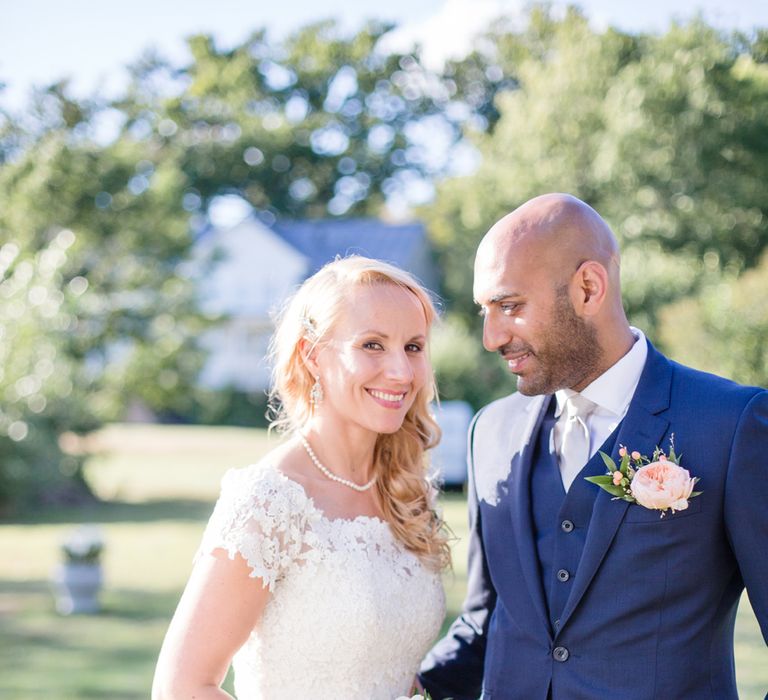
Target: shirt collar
(613, 389)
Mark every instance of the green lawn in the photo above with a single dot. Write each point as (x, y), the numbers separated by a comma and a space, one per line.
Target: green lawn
(159, 484)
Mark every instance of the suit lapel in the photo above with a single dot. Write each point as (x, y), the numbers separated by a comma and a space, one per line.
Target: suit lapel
(523, 446)
(642, 429)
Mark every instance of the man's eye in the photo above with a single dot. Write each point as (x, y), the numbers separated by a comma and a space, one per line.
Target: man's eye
(509, 308)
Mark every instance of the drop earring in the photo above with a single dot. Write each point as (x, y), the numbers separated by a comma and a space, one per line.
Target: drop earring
(316, 394)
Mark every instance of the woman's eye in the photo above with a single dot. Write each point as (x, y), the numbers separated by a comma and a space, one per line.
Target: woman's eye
(413, 347)
(372, 345)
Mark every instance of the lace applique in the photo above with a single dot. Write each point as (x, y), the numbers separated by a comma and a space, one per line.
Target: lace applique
(257, 517)
(351, 612)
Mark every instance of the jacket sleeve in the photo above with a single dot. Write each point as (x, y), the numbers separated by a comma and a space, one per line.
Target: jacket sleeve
(454, 667)
(746, 503)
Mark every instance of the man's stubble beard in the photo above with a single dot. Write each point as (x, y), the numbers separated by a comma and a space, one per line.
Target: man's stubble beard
(568, 355)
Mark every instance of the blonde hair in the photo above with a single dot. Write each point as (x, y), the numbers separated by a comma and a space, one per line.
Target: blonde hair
(399, 459)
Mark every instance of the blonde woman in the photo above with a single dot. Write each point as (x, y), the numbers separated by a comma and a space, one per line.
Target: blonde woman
(319, 572)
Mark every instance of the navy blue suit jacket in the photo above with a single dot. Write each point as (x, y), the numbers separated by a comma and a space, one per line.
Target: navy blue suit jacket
(651, 610)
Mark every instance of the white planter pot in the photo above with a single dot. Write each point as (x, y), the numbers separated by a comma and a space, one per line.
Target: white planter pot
(77, 588)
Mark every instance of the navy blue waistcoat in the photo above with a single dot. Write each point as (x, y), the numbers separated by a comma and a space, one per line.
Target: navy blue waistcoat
(560, 520)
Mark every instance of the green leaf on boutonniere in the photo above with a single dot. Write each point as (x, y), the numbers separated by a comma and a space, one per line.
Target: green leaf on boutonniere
(601, 480)
(624, 466)
(695, 493)
(605, 481)
(608, 462)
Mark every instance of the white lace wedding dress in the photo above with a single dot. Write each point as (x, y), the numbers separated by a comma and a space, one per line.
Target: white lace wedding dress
(351, 612)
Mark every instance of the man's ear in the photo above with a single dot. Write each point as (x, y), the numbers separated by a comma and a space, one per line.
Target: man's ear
(590, 287)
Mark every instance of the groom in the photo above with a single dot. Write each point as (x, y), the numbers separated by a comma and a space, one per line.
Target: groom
(572, 594)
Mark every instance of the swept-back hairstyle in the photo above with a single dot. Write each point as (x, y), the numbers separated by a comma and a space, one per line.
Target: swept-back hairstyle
(399, 460)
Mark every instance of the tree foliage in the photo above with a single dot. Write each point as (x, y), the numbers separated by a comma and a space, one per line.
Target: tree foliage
(319, 124)
(464, 372)
(94, 305)
(724, 329)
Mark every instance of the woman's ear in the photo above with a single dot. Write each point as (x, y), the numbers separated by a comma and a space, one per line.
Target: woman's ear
(590, 286)
(308, 351)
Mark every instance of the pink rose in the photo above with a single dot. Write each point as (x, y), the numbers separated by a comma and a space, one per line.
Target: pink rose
(662, 485)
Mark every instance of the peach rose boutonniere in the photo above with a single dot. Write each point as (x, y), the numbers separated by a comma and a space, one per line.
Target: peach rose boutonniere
(659, 483)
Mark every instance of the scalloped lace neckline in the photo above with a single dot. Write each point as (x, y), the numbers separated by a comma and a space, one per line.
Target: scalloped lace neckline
(319, 511)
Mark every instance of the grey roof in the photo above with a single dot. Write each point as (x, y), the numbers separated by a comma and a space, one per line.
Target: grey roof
(321, 240)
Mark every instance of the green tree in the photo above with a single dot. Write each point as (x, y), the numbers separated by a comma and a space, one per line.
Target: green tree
(96, 308)
(464, 369)
(37, 387)
(684, 163)
(318, 124)
(544, 140)
(724, 329)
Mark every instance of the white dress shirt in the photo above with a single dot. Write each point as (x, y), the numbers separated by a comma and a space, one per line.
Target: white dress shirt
(612, 392)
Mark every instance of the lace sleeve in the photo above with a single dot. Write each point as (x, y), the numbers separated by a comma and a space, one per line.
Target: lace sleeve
(262, 516)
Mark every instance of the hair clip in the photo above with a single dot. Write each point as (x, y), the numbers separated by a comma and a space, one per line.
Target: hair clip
(308, 325)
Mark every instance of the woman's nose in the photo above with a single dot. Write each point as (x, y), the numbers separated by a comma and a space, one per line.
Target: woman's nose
(399, 367)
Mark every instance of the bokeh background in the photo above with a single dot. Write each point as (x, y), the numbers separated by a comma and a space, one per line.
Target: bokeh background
(134, 139)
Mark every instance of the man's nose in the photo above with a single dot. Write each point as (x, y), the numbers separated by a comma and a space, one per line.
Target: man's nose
(494, 332)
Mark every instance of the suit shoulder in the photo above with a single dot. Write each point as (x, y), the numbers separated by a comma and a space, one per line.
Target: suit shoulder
(711, 389)
(504, 408)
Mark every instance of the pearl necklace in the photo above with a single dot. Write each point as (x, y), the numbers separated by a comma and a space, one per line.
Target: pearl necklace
(330, 474)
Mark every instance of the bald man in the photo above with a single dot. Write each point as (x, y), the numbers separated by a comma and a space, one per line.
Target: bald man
(572, 593)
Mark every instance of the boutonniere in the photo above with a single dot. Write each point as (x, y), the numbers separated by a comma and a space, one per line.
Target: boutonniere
(659, 483)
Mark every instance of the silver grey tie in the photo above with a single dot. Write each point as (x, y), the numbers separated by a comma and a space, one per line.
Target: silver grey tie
(574, 446)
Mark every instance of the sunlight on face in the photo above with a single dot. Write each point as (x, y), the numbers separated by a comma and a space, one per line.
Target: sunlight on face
(529, 320)
(374, 361)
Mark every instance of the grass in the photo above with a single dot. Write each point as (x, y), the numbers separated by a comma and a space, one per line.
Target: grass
(159, 484)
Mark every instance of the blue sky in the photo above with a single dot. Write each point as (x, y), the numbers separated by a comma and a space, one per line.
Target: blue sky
(89, 42)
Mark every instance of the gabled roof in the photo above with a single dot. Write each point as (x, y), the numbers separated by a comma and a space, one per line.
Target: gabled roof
(321, 240)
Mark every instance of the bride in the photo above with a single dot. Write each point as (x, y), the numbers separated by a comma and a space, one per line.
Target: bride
(319, 571)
